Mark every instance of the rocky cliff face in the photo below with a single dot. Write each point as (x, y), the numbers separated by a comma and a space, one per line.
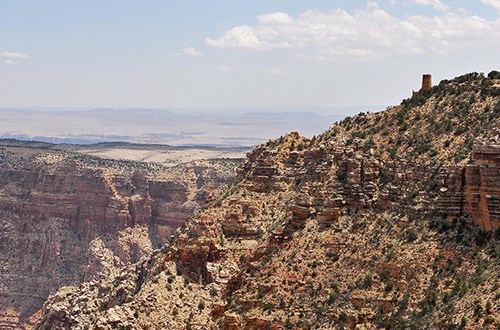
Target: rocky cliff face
(381, 222)
(66, 219)
(474, 189)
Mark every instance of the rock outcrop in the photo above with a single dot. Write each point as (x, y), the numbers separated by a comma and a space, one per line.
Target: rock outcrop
(474, 189)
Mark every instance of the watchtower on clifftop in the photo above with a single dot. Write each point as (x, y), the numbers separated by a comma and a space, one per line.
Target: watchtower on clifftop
(426, 83)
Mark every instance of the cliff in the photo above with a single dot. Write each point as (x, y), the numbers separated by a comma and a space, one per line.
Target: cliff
(383, 221)
(67, 218)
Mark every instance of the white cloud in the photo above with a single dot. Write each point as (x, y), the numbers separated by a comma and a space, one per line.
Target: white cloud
(189, 51)
(275, 19)
(13, 55)
(368, 34)
(12, 58)
(11, 62)
(246, 36)
(226, 68)
(275, 72)
(372, 4)
(436, 4)
(494, 3)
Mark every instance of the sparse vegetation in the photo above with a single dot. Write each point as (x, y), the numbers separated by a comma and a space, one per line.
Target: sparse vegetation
(348, 227)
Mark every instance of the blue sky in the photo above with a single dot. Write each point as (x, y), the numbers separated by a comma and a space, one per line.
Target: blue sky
(286, 54)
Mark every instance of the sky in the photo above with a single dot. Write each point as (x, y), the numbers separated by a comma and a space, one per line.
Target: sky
(229, 54)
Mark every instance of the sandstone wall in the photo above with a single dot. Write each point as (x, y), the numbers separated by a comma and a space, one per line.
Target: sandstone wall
(474, 189)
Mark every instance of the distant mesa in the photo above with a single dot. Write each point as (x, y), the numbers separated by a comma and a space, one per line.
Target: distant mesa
(426, 84)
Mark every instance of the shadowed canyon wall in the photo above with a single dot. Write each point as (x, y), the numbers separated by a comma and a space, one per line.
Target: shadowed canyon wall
(64, 222)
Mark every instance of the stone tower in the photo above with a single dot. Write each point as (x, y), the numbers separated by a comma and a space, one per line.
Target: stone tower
(426, 82)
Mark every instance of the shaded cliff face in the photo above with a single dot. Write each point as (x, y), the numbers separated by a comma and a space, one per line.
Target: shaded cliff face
(474, 189)
(67, 218)
(374, 223)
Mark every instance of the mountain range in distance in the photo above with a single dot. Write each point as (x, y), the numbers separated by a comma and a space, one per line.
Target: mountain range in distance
(226, 128)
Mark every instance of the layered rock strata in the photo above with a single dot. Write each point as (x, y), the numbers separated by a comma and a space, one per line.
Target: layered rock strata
(64, 221)
(474, 189)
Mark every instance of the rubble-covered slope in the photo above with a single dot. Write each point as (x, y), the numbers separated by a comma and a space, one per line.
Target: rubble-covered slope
(380, 222)
(66, 218)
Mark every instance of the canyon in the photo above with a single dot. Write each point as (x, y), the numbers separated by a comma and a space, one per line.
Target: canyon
(386, 220)
(68, 218)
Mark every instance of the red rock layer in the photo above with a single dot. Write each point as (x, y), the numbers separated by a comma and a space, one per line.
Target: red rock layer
(474, 189)
(61, 225)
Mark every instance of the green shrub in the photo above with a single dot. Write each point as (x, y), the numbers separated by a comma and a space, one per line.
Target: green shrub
(494, 74)
(410, 235)
(429, 302)
(341, 175)
(367, 281)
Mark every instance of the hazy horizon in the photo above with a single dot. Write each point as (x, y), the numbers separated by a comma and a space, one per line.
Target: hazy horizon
(155, 126)
(347, 111)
